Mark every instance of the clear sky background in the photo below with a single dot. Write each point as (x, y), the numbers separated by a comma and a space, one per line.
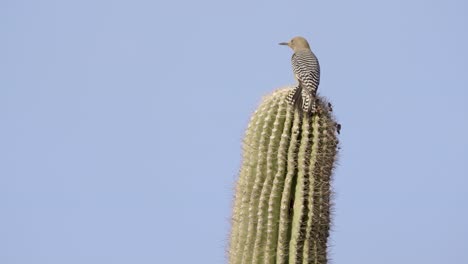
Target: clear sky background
(121, 125)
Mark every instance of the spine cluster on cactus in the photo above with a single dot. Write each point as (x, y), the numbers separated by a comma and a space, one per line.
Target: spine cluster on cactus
(281, 210)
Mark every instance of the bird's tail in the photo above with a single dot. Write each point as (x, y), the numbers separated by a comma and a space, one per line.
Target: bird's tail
(295, 97)
(302, 100)
(308, 102)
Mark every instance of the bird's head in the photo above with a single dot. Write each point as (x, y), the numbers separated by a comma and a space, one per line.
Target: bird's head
(297, 43)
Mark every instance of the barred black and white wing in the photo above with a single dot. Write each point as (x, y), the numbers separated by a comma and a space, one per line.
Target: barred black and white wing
(306, 69)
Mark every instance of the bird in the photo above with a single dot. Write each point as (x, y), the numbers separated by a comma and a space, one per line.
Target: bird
(306, 69)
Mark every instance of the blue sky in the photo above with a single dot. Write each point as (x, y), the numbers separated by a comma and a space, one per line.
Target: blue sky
(122, 121)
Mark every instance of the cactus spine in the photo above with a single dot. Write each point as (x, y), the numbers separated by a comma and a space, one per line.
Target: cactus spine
(281, 210)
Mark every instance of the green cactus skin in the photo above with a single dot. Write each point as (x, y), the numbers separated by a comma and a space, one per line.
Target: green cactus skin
(282, 204)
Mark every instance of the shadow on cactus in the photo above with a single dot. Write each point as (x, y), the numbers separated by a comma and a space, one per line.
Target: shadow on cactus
(281, 211)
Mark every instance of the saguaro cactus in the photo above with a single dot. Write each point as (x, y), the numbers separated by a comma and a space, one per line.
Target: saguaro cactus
(281, 210)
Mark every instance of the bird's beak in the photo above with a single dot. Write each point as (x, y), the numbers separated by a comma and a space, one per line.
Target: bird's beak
(284, 43)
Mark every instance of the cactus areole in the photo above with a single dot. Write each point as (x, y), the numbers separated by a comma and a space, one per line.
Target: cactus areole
(281, 210)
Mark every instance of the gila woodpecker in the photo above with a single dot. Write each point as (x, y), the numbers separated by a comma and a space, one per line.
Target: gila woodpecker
(306, 70)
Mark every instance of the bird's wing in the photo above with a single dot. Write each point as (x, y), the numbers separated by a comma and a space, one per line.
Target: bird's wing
(306, 68)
